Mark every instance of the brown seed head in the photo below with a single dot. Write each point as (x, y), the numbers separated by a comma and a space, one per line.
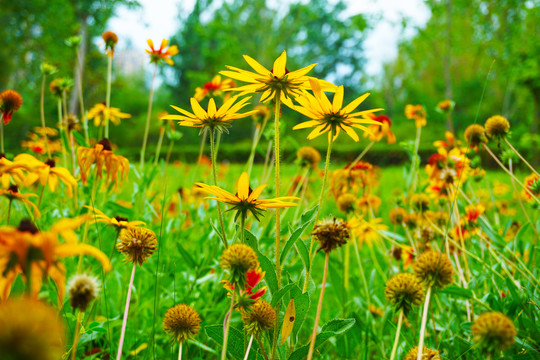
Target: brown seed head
(82, 289)
(403, 291)
(497, 126)
(331, 234)
(493, 332)
(259, 317)
(182, 322)
(434, 269)
(137, 244)
(475, 135)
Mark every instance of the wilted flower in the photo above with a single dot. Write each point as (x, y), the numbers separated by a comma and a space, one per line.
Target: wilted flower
(82, 290)
(111, 39)
(331, 234)
(475, 136)
(46, 173)
(308, 156)
(493, 332)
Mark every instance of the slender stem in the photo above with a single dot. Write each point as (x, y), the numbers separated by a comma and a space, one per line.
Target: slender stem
(423, 326)
(76, 335)
(226, 328)
(201, 148)
(9, 210)
(362, 273)
(521, 157)
(148, 115)
(81, 98)
(126, 312)
(2, 151)
(62, 128)
(277, 114)
(319, 307)
(160, 142)
(180, 350)
(42, 116)
(396, 340)
(242, 228)
(214, 175)
(249, 347)
(304, 185)
(321, 202)
(359, 157)
(261, 346)
(108, 96)
(510, 173)
(256, 138)
(416, 159)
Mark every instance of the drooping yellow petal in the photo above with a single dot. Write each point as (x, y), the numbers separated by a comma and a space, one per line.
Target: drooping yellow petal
(65, 250)
(257, 192)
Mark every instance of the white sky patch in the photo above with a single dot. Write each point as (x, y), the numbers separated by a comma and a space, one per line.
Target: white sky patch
(158, 19)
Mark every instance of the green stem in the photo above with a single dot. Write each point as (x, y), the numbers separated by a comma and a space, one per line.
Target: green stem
(160, 142)
(84, 120)
(76, 336)
(62, 128)
(9, 210)
(359, 157)
(423, 326)
(108, 95)
(396, 340)
(226, 330)
(362, 273)
(42, 115)
(242, 228)
(214, 175)
(321, 202)
(416, 159)
(521, 157)
(261, 346)
(148, 115)
(319, 308)
(256, 138)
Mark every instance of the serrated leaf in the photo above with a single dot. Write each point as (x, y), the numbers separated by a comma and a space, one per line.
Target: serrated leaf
(235, 343)
(332, 328)
(288, 322)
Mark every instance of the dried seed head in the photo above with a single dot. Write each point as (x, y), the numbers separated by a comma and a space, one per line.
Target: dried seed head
(434, 269)
(331, 234)
(346, 203)
(182, 322)
(497, 126)
(137, 244)
(82, 289)
(403, 291)
(493, 332)
(259, 317)
(30, 329)
(427, 354)
(475, 135)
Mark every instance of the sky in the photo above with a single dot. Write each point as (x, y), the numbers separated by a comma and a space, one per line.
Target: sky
(158, 19)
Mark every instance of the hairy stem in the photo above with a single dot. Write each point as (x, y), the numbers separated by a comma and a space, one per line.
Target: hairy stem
(126, 312)
(214, 175)
(423, 326)
(226, 328)
(396, 340)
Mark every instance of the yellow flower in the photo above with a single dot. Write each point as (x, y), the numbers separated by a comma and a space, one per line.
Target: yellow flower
(366, 232)
(10, 171)
(213, 88)
(416, 113)
(331, 117)
(156, 55)
(102, 155)
(46, 173)
(36, 254)
(246, 199)
(102, 114)
(12, 193)
(117, 222)
(382, 129)
(212, 118)
(276, 82)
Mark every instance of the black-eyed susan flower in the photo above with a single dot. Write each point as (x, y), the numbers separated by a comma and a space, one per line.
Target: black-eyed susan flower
(137, 244)
(116, 166)
(434, 269)
(101, 114)
(427, 354)
(10, 101)
(36, 254)
(11, 172)
(163, 53)
(46, 173)
(416, 113)
(403, 291)
(246, 200)
(260, 317)
(213, 88)
(308, 156)
(30, 329)
(212, 118)
(493, 332)
(331, 234)
(12, 194)
(397, 215)
(182, 322)
(82, 290)
(278, 82)
(117, 222)
(331, 117)
(378, 132)
(366, 231)
(497, 127)
(238, 260)
(110, 39)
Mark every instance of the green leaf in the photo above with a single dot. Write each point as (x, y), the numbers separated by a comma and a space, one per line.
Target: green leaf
(306, 220)
(235, 345)
(186, 255)
(284, 290)
(393, 236)
(270, 277)
(454, 290)
(332, 328)
(301, 304)
(303, 251)
(80, 139)
(251, 240)
(493, 236)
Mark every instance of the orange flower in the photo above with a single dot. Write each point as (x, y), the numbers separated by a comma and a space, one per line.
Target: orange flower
(10, 101)
(213, 88)
(12, 193)
(46, 173)
(416, 113)
(156, 55)
(377, 132)
(532, 183)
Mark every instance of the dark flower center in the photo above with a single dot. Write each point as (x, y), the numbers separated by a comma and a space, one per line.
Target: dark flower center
(27, 225)
(120, 218)
(13, 188)
(51, 163)
(106, 144)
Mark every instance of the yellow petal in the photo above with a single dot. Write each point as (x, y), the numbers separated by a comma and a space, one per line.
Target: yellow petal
(350, 131)
(199, 111)
(65, 250)
(150, 43)
(164, 43)
(211, 108)
(243, 186)
(279, 65)
(257, 192)
(256, 66)
(338, 99)
(354, 104)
